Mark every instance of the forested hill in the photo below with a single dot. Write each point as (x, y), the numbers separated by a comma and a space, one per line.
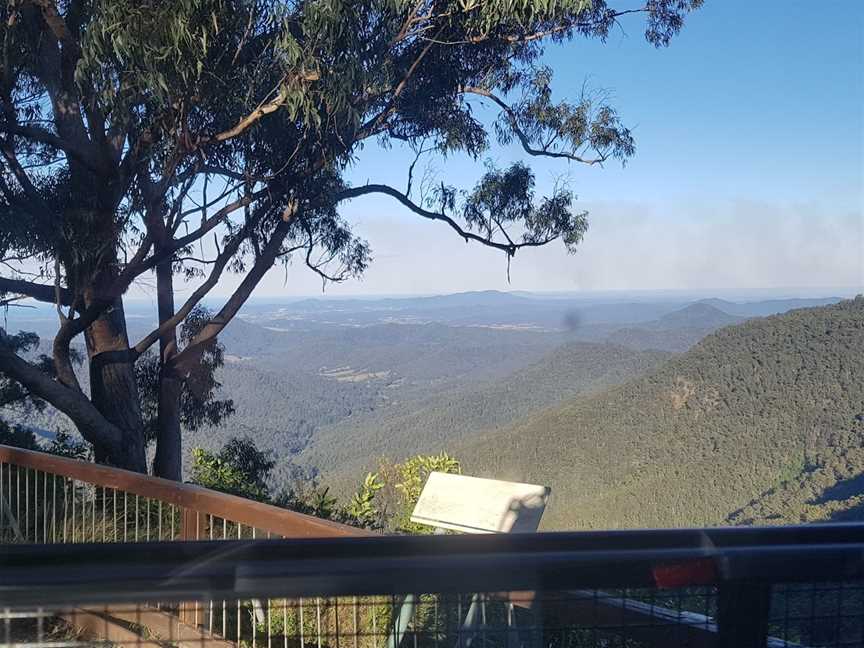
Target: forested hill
(711, 437)
(676, 331)
(446, 417)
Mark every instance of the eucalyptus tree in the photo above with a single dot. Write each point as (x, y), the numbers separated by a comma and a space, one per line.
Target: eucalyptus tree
(189, 138)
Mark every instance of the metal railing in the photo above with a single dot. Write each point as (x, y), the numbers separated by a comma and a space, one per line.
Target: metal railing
(54, 500)
(792, 586)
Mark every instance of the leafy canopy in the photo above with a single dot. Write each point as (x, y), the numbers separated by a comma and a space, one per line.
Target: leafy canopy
(270, 101)
(213, 136)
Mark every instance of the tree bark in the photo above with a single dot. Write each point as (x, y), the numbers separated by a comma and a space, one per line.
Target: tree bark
(113, 389)
(168, 462)
(89, 421)
(185, 361)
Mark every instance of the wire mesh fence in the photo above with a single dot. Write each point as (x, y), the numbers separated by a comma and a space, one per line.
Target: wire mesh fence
(37, 506)
(825, 615)
(71, 502)
(818, 614)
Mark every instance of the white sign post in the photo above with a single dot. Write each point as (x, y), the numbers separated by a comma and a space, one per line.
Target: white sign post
(473, 505)
(476, 505)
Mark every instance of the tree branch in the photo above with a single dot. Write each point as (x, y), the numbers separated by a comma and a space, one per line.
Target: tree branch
(62, 357)
(264, 109)
(95, 427)
(56, 23)
(40, 292)
(59, 54)
(186, 359)
(44, 136)
(354, 192)
(602, 23)
(213, 278)
(21, 176)
(216, 218)
(523, 138)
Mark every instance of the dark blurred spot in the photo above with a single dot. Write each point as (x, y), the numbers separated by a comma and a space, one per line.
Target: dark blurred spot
(572, 320)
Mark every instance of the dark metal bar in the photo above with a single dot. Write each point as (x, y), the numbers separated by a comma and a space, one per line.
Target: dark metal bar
(742, 615)
(395, 565)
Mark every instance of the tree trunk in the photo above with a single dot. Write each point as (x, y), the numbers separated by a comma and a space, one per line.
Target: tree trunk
(113, 389)
(169, 461)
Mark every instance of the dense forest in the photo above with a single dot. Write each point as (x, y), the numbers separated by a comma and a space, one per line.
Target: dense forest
(448, 417)
(759, 422)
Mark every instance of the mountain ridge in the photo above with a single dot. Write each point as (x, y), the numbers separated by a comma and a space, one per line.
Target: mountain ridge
(436, 423)
(700, 437)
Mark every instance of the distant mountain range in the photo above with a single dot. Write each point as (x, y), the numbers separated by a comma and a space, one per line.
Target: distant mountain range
(589, 316)
(766, 307)
(642, 411)
(699, 315)
(676, 331)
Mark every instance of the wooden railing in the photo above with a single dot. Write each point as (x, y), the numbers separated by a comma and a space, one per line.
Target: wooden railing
(46, 482)
(50, 499)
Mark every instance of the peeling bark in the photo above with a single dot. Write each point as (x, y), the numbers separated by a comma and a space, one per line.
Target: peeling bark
(113, 389)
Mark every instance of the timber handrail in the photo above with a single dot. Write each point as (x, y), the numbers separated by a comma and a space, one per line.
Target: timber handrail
(258, 515)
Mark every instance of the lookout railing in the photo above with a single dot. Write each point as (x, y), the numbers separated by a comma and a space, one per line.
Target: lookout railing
(94, 553)
(50, 499)
(55, 500)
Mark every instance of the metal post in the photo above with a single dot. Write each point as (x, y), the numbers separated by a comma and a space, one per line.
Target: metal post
(406, 613)
(742, 615)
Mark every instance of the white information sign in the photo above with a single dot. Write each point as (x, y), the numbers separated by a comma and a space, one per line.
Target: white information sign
(476, 505)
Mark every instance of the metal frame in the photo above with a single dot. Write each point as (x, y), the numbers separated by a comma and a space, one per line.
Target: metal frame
(394, 565)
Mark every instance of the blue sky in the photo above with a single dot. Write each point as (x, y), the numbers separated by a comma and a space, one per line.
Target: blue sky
(748, 172)
(760, 100)
(755, 99)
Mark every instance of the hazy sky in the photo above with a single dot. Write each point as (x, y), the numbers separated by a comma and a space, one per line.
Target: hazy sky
(748, 172)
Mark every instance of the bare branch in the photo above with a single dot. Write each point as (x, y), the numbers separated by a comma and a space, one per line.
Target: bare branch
(264, 109)
(354, 192)
(420, 151)
(209, 203)
(40, 292)
(216, 219)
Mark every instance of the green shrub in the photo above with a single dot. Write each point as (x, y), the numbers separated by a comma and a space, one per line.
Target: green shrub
(232, 471)
(387, 497)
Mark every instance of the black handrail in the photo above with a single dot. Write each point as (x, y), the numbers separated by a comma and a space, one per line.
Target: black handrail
(52, 575)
